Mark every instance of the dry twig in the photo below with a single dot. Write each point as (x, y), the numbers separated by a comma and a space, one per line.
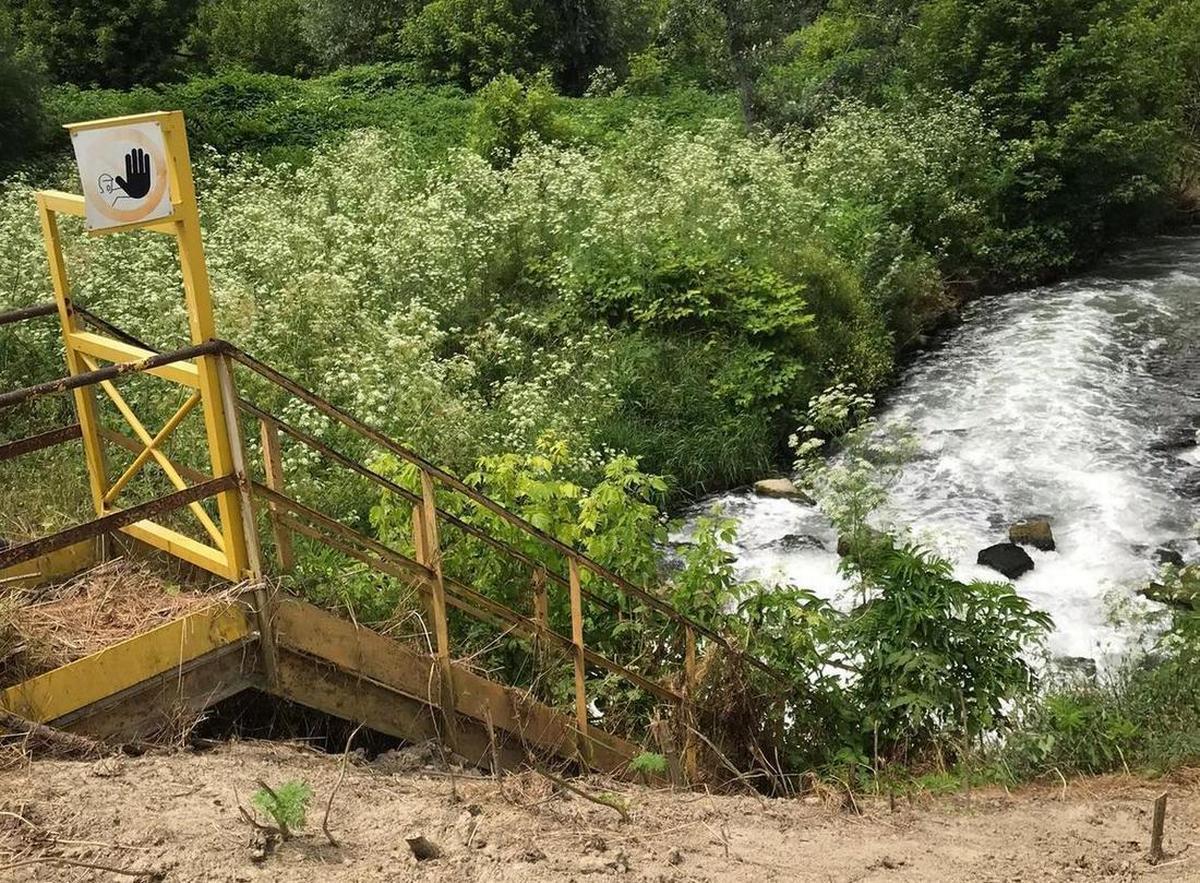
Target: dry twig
(332, 794)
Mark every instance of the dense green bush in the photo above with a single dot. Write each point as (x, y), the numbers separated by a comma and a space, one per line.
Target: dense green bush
(259, 35)
(508, 113)
(1143, 715)
(1085, 98)
(470, 42)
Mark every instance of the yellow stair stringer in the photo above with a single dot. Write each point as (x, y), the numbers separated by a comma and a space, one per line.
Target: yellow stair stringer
(325, 663)
(108, 672)
(370, 670)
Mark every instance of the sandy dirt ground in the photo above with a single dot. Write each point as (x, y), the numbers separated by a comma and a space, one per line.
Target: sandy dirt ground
(177, 817)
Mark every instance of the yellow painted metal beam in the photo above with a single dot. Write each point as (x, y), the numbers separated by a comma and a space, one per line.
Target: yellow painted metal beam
(110, 350)
(182, 546)
(53, 565)
(159, 116)
(124, 665)
(65, 203)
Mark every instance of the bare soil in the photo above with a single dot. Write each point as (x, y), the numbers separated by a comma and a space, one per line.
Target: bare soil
(177, 816)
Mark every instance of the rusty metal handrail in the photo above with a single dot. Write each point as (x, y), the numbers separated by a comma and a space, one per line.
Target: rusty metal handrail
(405, 494)
(122, 518)
(461, 594)
(33, 311)
(572, 555)
(40, 441)
(109, 372)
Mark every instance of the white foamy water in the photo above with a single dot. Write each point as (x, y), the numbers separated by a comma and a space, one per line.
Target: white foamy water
(1073, 401)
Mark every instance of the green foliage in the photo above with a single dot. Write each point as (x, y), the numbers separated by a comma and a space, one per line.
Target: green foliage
(647, 74)
(20, 95)
(936, 660)
(470, 42)
(354, 32)
(649, 764)
(114, 43)
(853, 487)
(508, 113)
(259, 35)
(1084, 98)
(286, 804)
(911, 197)
(1144, 715)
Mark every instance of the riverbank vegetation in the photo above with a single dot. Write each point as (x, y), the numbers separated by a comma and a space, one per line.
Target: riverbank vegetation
(602, 257)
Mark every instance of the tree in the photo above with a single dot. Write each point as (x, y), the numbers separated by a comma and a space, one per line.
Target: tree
(343, 32)
(114, 43)
(264, 36)
(470, 42)
(20, 101)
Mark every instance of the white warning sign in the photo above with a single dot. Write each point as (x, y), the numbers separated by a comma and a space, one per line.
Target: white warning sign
(123, 170)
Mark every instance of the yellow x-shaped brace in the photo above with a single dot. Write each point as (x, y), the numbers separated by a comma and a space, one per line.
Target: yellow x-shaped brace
(151, 448)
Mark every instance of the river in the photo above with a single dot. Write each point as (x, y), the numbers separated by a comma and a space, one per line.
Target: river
(1078, 401)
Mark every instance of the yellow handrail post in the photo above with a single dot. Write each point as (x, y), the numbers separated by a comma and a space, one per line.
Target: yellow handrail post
(431, 548)
(85, 396)
(581, 712)
(202, 326)
(273, 468)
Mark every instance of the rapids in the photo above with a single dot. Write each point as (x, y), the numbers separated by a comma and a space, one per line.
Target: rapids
(1078, 401)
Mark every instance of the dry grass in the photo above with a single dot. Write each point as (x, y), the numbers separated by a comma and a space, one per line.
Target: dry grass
(44, 628)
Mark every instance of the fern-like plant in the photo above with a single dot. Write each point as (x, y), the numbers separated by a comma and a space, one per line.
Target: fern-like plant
(287, 804)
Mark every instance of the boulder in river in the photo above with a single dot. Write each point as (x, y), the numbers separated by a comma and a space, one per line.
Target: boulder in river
(783, 489)
(798, 542)
(1167, 555)
(1033, 532)
(1178, 437)
(1007, 558)
(1084, 666)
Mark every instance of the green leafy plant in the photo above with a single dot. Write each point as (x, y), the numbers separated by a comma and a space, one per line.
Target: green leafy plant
(649, 763)
(287, 804)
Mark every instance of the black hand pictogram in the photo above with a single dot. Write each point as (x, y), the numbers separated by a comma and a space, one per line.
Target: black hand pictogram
(136, 182)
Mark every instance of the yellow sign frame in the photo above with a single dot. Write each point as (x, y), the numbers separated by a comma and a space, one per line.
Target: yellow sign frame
(226, 554)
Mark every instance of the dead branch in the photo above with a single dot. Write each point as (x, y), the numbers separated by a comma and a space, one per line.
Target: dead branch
(599, 799)
(49, 740)
(332, 794)
(56, 860)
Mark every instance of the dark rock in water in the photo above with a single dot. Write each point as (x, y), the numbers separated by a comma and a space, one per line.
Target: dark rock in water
(1007, 558)
(1033, 532)
(1080, 665)
(1188, 485)
(797, 542)
(1177, 438)
(1167, 555)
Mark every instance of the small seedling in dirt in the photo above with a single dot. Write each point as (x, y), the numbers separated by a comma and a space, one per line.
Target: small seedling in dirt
(287, 804)
(648, 763)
